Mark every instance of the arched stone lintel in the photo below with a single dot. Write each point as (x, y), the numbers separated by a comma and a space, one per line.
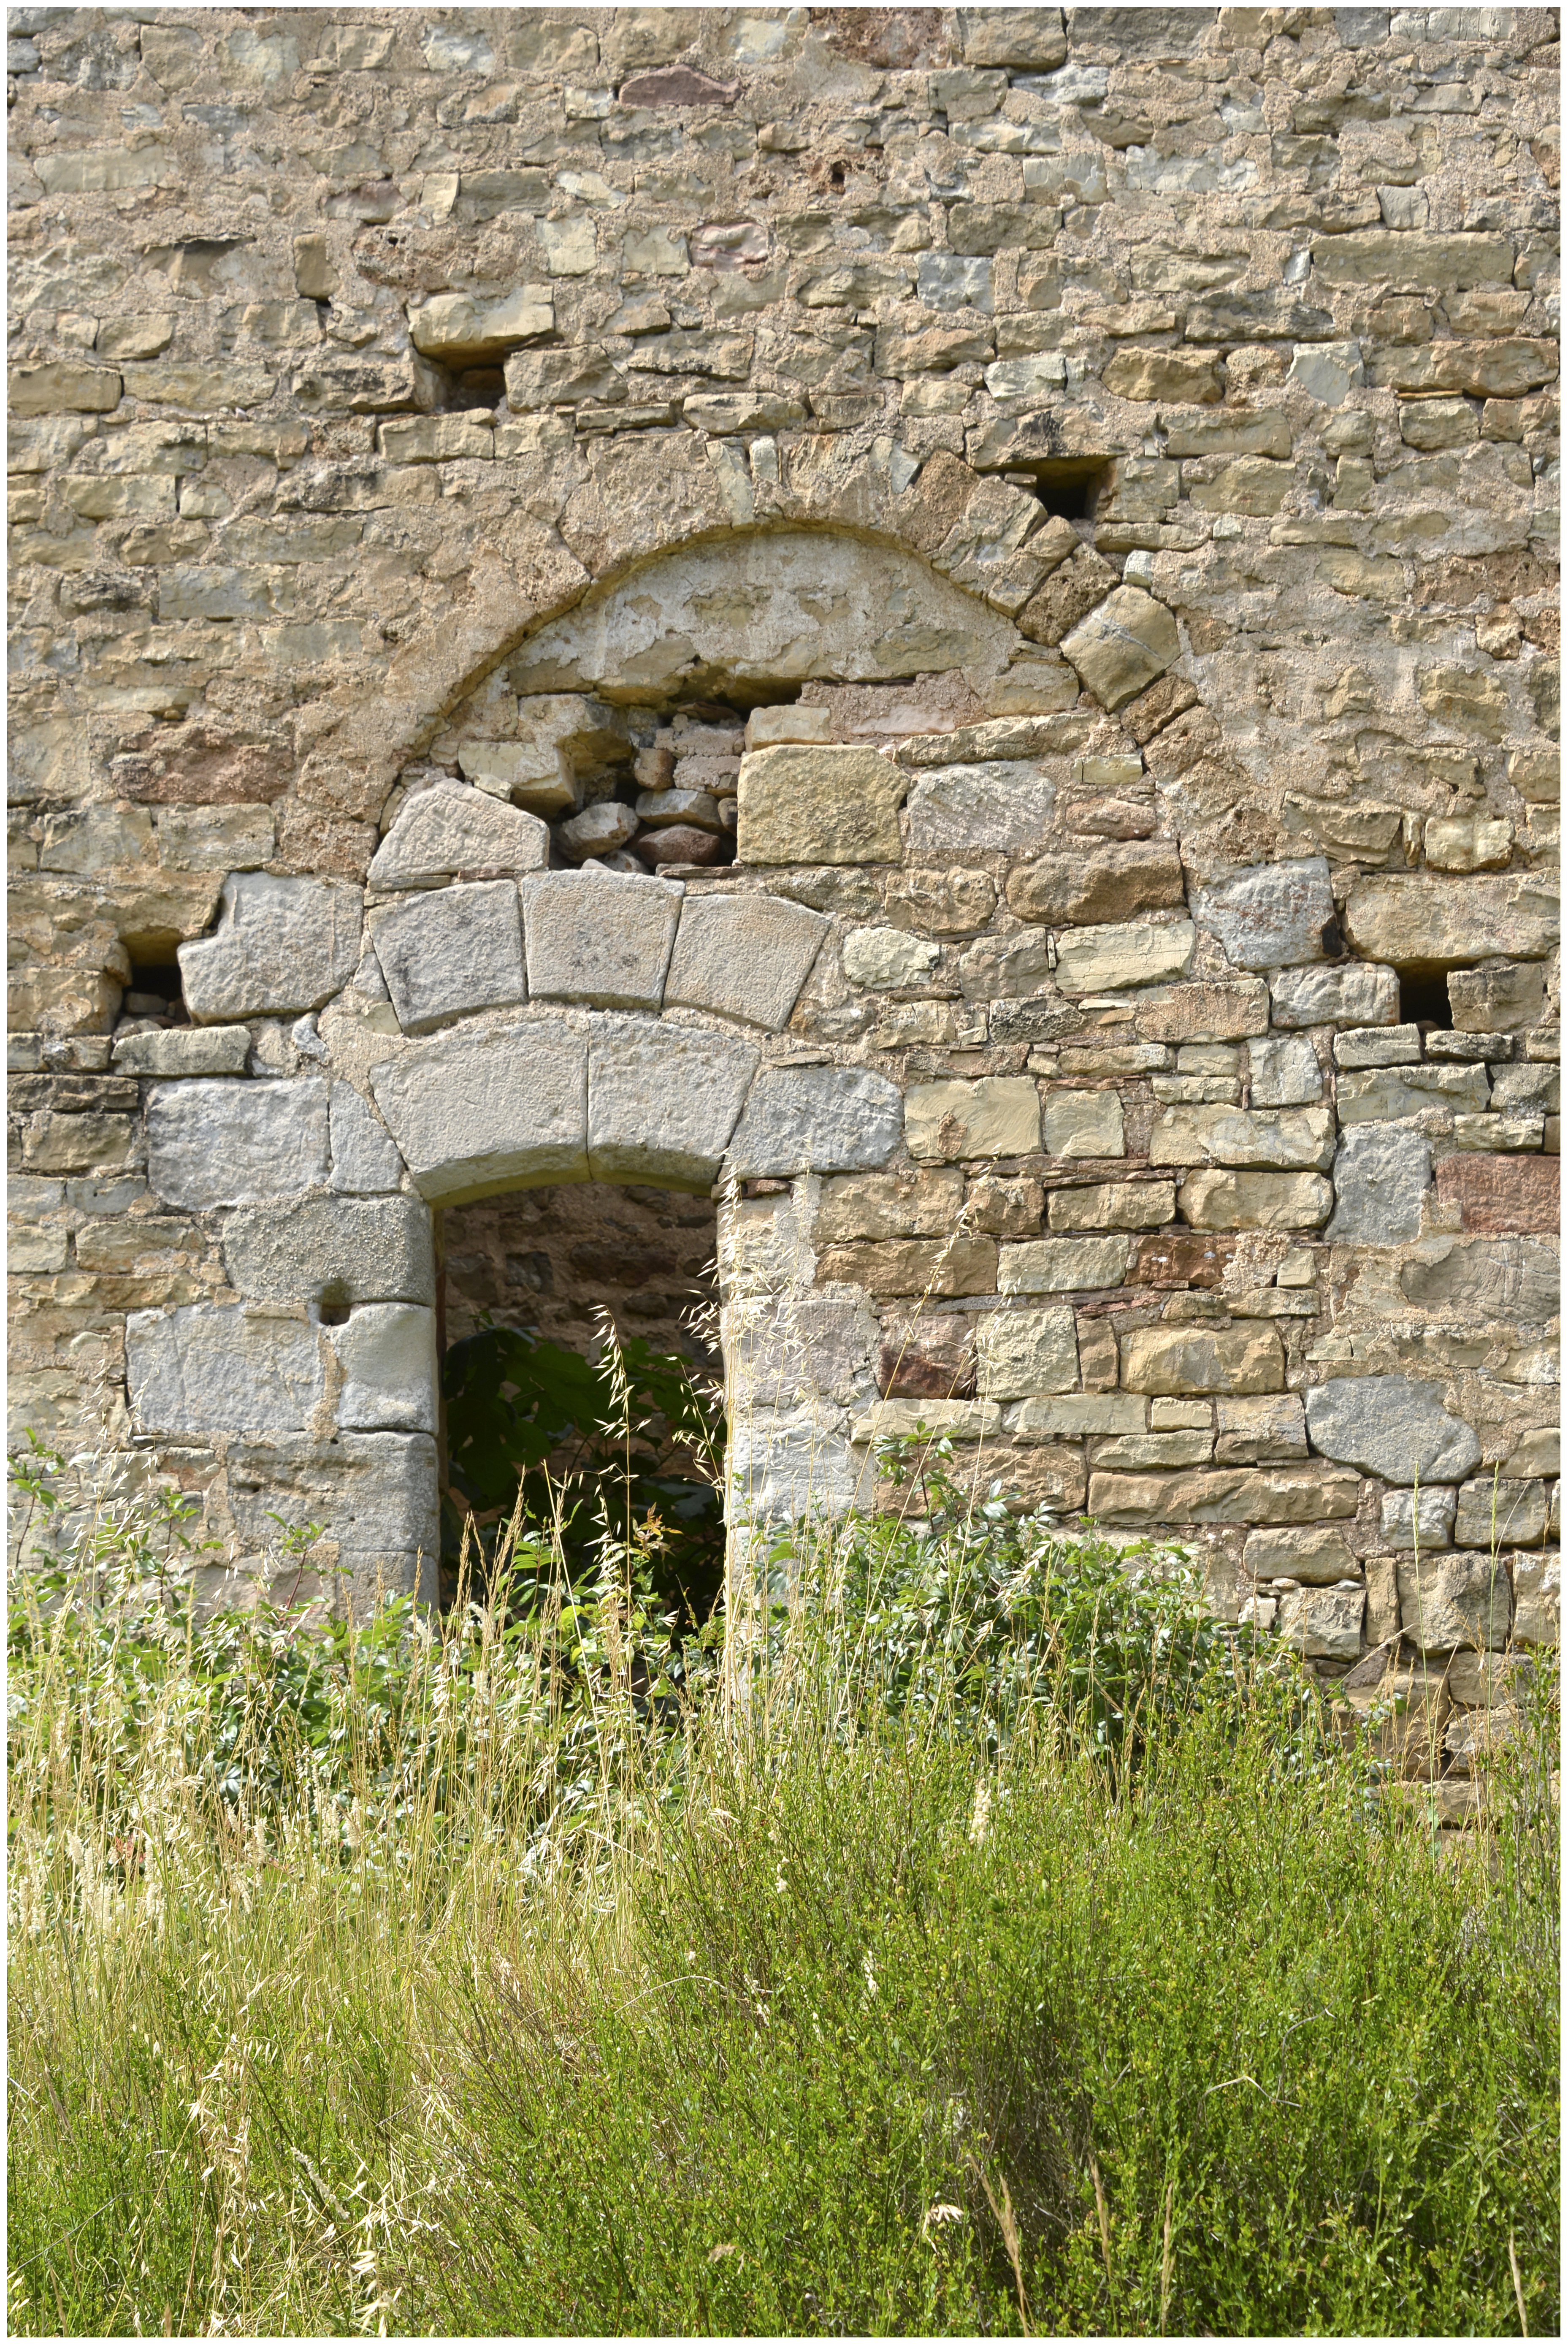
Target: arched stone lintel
(534, 575)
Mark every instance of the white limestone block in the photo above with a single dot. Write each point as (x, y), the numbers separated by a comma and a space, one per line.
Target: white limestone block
(450, 951)
(1019, 1354)
(489, 1108)
(454, 833)
(236, 1143)
(209, 1367)
(662, 1101)
(1005, 802)
(184, 1050)
(598, 939)
(1271, 916)
(281, 946)
(333, 1250)
(387, 1352)
(787, 1463)
(1105, 959)
(364, 1155)
(743, 956)
(816, 1119)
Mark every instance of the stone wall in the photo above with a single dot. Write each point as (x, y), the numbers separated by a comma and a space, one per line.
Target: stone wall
(1015, 553)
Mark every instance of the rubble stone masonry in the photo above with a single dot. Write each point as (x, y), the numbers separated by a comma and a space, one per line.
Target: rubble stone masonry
(943, 622)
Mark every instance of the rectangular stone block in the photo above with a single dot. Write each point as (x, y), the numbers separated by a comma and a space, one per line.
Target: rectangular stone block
(1188, 1358)
(1256, 1201)
(212, 1368)
(1505, 1514)
(1317, 1556)
(1083, 1123)
(594, 936)
(1537, 1599)
(386, 1352)
(962, 1265)
(816, 1119)
(1128, 1452)
(1204, 1012)
(1416, 1521)
(1259, 1431)
(450, 951)
(1287, 1140)
(1063, 1265)
(662, 1101)
(236, 1143)
(184, 1050)
(333, 1252)
(745, 957)
(1018, 1354)
(1142, 1501)
(959, 1420)
(1113, 1206)
(949, 1121)
(489, 1108)
(786, 1464)
(1502, 1194)
(1323, 1623)
(1005, 804)
(453, 833)
(1109, 959)
(802, 804)
(364, 1155)
(889, 1205)
(282, 946)
(1073, 1415)
(80, 1143)
(1355, 994)
(1386, 1094)
(1409, 919)
(1454, 1600)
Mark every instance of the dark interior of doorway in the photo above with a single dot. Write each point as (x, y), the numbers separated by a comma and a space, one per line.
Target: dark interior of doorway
(533, 1287)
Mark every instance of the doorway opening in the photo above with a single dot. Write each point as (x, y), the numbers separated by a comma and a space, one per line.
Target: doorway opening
(580, 1363)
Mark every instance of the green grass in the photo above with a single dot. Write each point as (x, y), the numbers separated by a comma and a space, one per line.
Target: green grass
(991, 1945)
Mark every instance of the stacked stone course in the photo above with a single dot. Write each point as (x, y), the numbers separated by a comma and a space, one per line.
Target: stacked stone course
(948, 615)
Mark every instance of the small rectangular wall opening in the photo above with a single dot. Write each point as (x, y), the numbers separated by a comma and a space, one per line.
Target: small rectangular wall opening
(1423, 999)
(1069, 486)
(155, 990)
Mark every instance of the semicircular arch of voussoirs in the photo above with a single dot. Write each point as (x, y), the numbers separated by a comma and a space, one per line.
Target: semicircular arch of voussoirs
(529, 577)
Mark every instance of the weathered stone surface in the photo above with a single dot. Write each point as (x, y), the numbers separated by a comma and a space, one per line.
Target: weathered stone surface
(386, 1355)
(997, 1116)
(1255, 1201)
(1416, 1521)
(1266, 1495)
(1497, 1514)
(941, 903)
(1519, 1279)
(662, 1101)
(1123, 647)
(1005, 802)
(1317, 1556)
(745, 956)
(1396, 1426)
(941, 1267)
(374, 1493)
(889, 1205)
(887, 959)
(333, 1250)
(1381, 1176)
(451, 834)
(785, 1351)
(1284, 1073)
(1323, 1623)
(1073, 1415)
(1350, 995)
(1384, 1094)
(212, 1368)
(490, 1108)
(599, 939)
(281, 946)
(1204, 1012)
(816, 1119)
(959, 1420)
(1411, 920)
(1104, 885)
(1063, 1265)
(1294, 1139)
(450, 951)
(785, 1464)
(1104, 960)
(1114, 1205)
(1496, 998)
(236, 1143)
(1021, 1352)
(1537, 1600)
(184, 1050)
(457, 330)
(365, 1156)
(1252, 1432)
(1202, 1359)
(1454, 1600)
(1502, 1193)
(799, 804)
(1083, 1123)
(1278, 915)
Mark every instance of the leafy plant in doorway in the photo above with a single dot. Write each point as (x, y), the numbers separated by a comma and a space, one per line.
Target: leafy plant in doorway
(627, 1449)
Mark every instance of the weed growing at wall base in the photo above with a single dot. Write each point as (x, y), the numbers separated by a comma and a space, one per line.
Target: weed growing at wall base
(1001, 1948)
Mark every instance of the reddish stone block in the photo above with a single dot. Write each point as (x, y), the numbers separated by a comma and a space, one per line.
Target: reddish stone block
(929, 1358)
(1502, 1195)
(1180, 1258)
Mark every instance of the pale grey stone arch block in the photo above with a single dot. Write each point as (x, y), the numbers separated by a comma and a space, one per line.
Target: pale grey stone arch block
(488, 1107)
(662, 1101)
(452, 953)
(599, 937)
(744, 957)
